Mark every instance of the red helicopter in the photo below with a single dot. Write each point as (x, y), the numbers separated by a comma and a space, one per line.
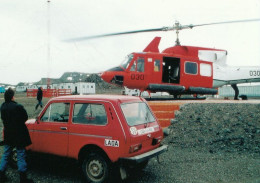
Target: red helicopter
(179, 69)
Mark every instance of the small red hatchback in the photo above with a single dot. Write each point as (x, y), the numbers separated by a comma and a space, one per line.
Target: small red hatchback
(100, 131)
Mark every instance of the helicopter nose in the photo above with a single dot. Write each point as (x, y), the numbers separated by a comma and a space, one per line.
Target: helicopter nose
(113, 78)
(107, 76)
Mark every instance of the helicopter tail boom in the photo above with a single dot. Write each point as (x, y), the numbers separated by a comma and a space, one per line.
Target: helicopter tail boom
(236, 75)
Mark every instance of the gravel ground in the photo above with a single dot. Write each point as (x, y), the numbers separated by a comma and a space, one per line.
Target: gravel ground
(207, 143)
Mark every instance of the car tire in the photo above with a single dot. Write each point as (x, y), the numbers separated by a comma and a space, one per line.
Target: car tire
(96, 168)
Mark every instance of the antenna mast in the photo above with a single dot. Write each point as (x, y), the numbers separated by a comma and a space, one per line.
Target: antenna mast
(49, 47)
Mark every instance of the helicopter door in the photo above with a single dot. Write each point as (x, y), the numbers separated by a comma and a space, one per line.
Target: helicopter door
(171, 70)
(155, 71)
(137, 74)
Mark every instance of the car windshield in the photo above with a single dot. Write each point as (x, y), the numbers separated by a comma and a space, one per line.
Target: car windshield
(137, 113)
(127, 61)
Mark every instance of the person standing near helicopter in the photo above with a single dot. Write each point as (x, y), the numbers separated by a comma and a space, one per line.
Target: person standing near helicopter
(16, 135)
(39, 98)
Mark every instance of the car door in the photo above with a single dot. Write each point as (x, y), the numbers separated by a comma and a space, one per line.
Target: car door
(89, 125)
(51, 131)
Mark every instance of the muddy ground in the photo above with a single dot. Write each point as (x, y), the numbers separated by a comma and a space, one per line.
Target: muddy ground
(207, 143)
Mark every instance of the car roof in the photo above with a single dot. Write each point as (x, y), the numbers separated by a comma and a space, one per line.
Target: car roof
(110, 98)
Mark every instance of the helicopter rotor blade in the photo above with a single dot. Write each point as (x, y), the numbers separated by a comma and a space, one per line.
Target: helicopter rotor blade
(226, 22)
(118, 33)
(176, 27)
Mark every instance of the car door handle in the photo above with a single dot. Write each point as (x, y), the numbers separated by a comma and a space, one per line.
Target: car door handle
(63, 128)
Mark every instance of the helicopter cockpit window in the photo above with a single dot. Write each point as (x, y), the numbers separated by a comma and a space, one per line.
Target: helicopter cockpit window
(140, 65)
(127, 61)
(205, 70)
(157, 65)
(191, 68)
(133, 67)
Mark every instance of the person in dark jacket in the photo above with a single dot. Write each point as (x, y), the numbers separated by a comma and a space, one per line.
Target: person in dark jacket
(39, 98)
(16, 135)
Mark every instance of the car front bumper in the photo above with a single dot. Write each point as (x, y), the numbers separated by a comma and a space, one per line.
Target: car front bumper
(143, 157)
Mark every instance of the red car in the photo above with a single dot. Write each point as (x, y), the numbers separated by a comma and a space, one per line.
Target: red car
(99, 131)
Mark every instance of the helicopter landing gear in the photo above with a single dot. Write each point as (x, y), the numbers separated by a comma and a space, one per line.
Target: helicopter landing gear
(175, 96)
(234, 86)
(149, 93)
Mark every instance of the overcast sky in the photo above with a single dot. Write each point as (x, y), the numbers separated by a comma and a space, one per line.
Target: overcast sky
(24, 38)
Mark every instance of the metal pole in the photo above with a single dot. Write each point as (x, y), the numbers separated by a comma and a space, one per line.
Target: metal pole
(48, 46)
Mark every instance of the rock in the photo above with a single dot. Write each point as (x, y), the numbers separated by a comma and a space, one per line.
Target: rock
(166, 131)
(218, 127)
(173, 121)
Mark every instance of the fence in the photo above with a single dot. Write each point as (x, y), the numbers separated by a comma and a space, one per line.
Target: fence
(49, 92)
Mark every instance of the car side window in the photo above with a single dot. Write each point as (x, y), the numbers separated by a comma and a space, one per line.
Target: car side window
(86, 113)
(56, 112)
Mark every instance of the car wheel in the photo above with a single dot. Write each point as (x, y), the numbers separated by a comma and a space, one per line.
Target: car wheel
(96, 168)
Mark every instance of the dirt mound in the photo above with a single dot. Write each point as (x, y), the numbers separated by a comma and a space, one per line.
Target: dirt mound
(217, 127)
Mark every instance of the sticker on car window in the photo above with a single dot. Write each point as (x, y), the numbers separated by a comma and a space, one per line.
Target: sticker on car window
(112, 143)
(145, 130)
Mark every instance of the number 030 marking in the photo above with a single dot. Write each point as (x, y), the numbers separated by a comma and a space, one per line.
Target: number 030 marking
(254, 73)
(137, 76)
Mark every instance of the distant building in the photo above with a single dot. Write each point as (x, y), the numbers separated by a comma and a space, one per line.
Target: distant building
(85, 88)
(9, 86)
(248, 90)
(21, 88)
(80, 87)
(64, 86)
(2, 89)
